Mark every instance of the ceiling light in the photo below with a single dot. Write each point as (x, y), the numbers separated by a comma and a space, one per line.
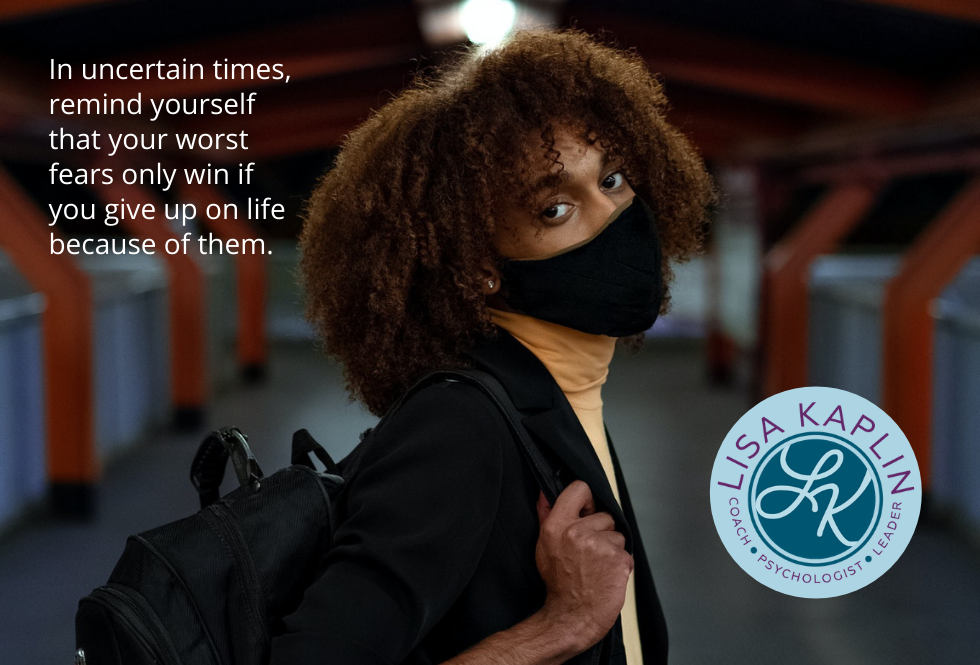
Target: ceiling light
(487, 22)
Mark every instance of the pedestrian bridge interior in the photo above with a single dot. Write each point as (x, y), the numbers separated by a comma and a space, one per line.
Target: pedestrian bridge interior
(844, 137)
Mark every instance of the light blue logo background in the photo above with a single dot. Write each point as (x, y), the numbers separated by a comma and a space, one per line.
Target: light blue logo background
(815, 492)
(815, 498)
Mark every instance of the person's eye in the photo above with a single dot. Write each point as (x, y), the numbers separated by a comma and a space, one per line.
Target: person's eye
(614, 180)
(556, 211)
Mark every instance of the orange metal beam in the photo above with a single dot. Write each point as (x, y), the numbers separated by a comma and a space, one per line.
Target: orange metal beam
(745, 117)
(292, 112)
(963, 10)
(300, 142)
(290, 126)
(270, 141)
(322, 47)
(303, 116)
(251, 278)
(712, 145)
(721, 350)
(727, 63)
(19, 8)
(787, 272)
(938, 254)
(717, 137)
(314, 136)
(966, 159)
(284, 129)
(187, 293)
(23, 89)
(72, 458)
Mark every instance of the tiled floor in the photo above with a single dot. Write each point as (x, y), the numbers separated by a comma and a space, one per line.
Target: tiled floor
(667, 425)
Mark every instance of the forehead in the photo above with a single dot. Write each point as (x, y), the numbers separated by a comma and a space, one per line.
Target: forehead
(571, 145)
(575, 156)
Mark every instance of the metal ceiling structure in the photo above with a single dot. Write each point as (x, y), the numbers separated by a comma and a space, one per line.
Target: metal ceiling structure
(760, 79)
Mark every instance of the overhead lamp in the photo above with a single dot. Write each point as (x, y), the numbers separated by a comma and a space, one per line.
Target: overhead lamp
(487, 22)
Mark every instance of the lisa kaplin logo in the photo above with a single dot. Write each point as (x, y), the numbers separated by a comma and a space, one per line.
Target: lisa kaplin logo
(815, 492)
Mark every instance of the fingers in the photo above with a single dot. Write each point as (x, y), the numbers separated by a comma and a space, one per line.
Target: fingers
(601, 527)
(587, 509)
(571, 503)
(574, 501)
(615, 538)
(598, 522)
(544, 508)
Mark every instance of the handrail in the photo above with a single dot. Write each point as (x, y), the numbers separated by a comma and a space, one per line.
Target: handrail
(187, 294)
(786, 277)
(73, 466)
(933, 261)
(250, 278)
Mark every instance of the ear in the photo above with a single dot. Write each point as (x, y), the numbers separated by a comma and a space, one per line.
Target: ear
(489, 277)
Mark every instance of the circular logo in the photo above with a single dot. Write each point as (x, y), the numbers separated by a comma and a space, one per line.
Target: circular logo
(815, 492)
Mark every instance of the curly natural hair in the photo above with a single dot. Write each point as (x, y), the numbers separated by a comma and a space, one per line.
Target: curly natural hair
(396, 231)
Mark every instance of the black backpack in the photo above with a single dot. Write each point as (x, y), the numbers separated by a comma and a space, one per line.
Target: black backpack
(213, 588)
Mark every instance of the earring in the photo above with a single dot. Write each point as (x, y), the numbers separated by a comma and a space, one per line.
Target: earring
(490, 283)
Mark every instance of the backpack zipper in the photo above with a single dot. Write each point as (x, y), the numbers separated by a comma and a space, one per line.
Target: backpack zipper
(225, 522)
(145, 623)
(162, 560)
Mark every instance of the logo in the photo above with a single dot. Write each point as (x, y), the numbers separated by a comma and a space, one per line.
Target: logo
(815, 492)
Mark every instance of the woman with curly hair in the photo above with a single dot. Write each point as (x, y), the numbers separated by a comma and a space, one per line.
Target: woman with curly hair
(517, 212)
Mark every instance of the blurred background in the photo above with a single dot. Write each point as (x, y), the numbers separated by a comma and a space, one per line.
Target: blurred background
(845, 139)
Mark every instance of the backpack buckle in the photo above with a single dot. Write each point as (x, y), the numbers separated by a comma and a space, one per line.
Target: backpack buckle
(246, 466)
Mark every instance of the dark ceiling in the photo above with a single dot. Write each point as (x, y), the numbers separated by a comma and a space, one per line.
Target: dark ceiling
(902, 40)
(910, 42)
(115, 28)
(766, 80)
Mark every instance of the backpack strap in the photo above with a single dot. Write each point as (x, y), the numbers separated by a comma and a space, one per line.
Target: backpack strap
(303, 445)
(208, 467)
(543, 471)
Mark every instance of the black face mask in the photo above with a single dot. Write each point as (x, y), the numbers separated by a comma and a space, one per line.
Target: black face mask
(611, 284)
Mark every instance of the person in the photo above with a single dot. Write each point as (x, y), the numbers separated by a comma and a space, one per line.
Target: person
(517, 211)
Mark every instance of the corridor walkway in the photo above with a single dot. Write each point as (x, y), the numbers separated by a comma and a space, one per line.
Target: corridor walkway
(667, 425)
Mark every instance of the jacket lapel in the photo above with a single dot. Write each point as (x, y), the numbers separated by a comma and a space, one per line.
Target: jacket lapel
(550, 419)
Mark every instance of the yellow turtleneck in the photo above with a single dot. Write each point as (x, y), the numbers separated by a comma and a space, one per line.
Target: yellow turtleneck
(579, 363)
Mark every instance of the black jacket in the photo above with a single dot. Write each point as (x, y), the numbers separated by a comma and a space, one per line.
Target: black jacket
(436, 550)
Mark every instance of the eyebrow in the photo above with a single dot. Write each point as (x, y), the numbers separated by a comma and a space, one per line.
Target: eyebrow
(542, 183)
(564, 176)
